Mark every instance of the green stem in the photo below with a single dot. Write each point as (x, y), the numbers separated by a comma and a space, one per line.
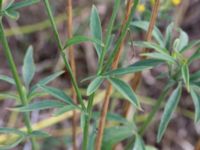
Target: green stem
(155, 109)
(63, 55)
(87, 122)
(19, 85)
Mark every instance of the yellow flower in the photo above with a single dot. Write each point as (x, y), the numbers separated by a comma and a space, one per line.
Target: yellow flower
(141, 8)
(176, 2)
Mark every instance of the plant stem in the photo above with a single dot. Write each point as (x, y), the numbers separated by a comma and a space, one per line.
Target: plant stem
(114, 60)
(137, 77)
(19, 85)
(75, 85)
(73, 66)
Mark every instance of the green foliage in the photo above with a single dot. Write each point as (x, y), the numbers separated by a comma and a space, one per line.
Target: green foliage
(94, 85)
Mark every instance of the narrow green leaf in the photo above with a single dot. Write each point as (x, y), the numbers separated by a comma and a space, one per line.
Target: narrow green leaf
(46, 80)
(195, 76)
(168, 35)
(186, 76)
(144, 25)
(13, 143)
(21, 4)
(64, 109)
(196, 101)
(116, 134)
(41, 105)
(154, 46)
(7, 79)
(58, 94)
(12, 14)
(8, 96)
(191, 45)
(184, 39)
(125, 90)
(94, 85)
(39, 134)
(28, 69)
(96, 30)
(139, 144)
(168, 111)
(160, 56)
(136, 67)
(81, 39)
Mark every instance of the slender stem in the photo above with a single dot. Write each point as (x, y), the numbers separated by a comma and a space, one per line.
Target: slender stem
(137, 77)
(155, 108)
(15, 74)
(67, 65)
(113, 61)
(73, 66)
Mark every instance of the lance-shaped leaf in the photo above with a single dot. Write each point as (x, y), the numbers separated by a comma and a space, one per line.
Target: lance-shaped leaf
(168, 35)
(28, 69)
(196, 101)
(160, 56)
(7, 79)
(168, 111)
(64, 109)
(41, 105)
(81, 39)
(94, 85)
(184, 39)
(116, 134)
(149, 45)
(58, 94)
(144, 25)
(136, 67)
(96, 30)
(12, 143)
(139, 144)
(125, 90)
(186, 75)
(21, 4)
(38, 134)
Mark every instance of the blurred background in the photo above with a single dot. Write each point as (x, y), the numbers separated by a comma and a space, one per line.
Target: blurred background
(33, 28)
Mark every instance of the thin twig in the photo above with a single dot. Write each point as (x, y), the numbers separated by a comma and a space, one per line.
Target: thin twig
(137, 77)
(73, 66)
(109, 88)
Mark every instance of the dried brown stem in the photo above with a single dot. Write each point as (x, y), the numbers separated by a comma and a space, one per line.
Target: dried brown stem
(109, 88)
(137, 77)
(73, 66)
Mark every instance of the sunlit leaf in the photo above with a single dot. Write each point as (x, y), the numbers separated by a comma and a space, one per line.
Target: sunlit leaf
(94, 85)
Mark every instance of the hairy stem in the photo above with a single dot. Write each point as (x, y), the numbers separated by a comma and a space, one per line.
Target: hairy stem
(19, 85)
(67, 65)
(137, 77)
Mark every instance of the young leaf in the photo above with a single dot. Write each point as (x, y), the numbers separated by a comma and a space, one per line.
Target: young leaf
(125, 90)
(94, 85)
(81, 39)
(58, 94)
(39, 134)
(154, 46)
(184, 39)
(64, 109)
(12, 14)
(160, 56)
(96, 30)
(28, 69)
(46, 80)
(136, 67)
(7, 79)
(41, 105)
(11, 144)
(168, 111)
(116, 134)
(186, 75)
(196, 100)
(168, 35)
(139, 144)
(145, 25)
(21, 4)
